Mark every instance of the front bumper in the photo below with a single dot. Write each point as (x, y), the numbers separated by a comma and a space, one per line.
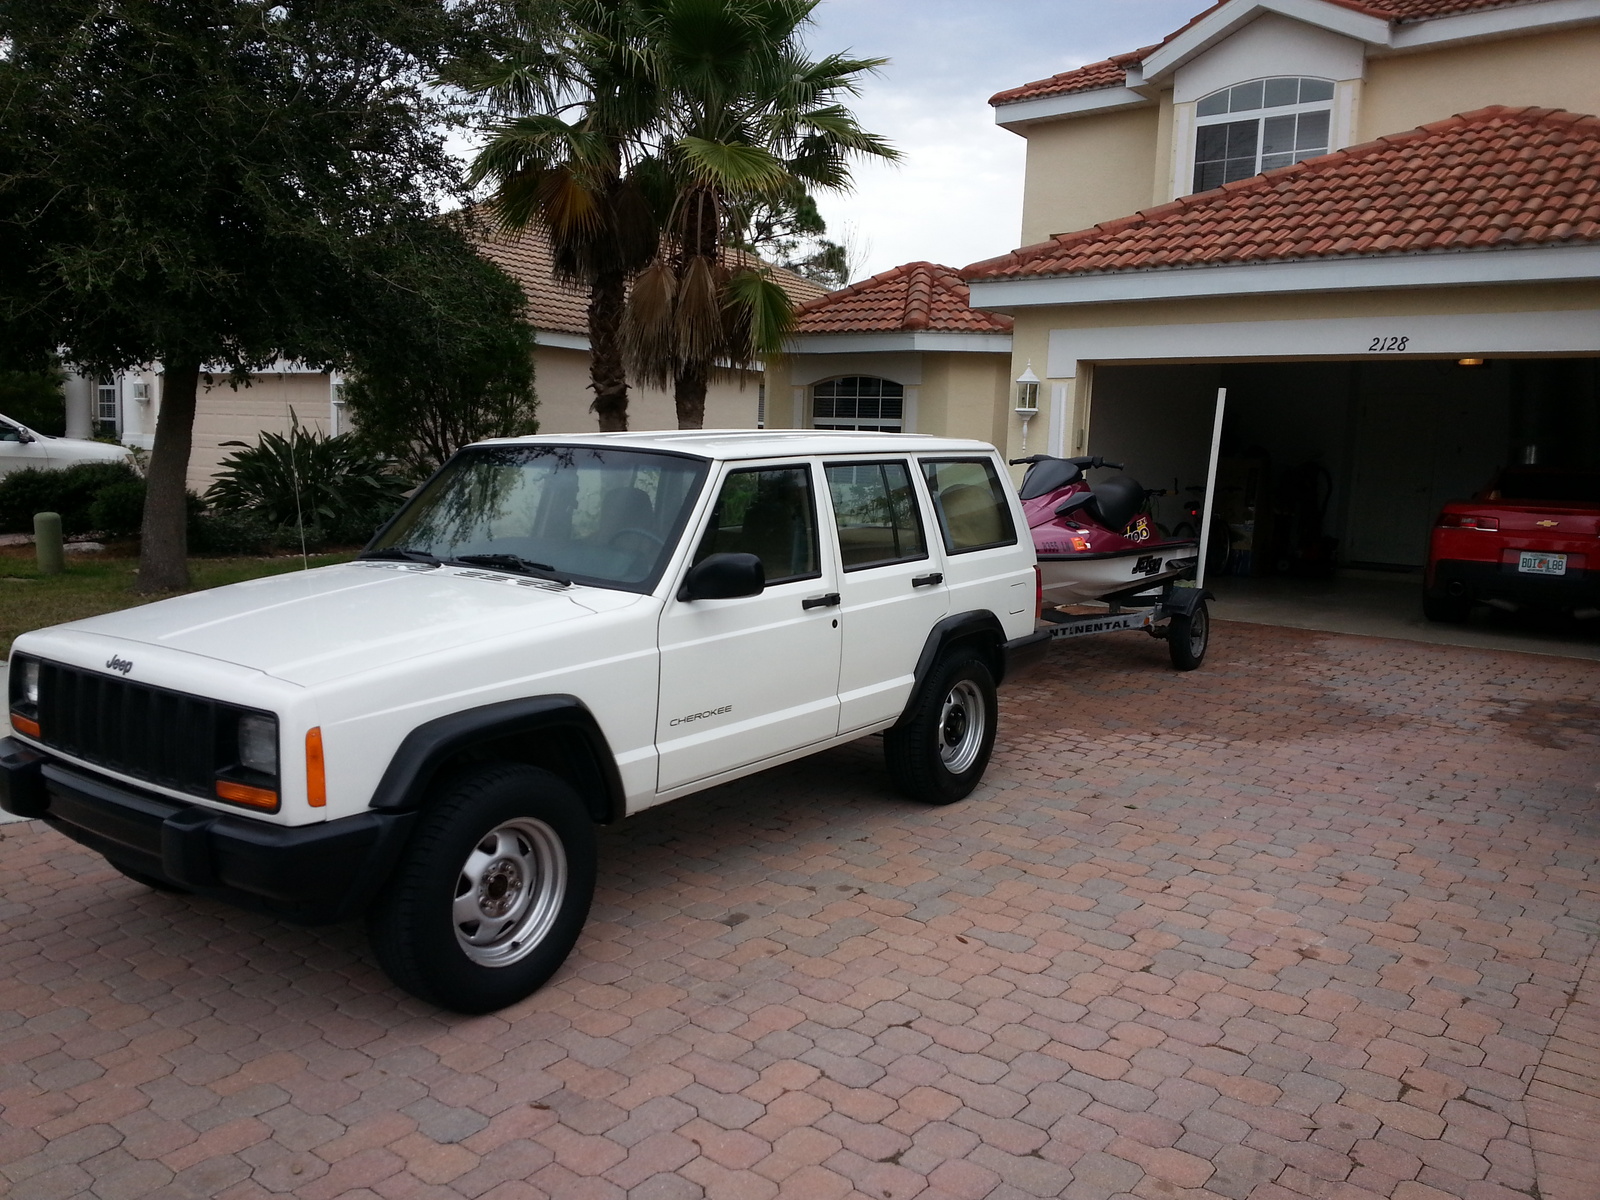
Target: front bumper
(311, 874)
(1461, 579)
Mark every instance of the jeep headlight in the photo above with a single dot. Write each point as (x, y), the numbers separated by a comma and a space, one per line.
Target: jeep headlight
(24, 698)
(28, 684)
(258, 743)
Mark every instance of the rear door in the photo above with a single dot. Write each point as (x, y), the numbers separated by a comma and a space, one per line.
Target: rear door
(976, 523)
(751, 678)
(891, 581)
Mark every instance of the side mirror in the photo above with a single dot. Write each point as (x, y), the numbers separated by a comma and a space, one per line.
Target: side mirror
(724, 577)
(1073, 503)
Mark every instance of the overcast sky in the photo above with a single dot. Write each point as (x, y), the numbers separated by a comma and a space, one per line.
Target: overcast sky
(957, 197)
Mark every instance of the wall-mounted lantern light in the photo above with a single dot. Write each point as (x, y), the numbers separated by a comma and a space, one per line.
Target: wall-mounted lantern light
(1027, 399)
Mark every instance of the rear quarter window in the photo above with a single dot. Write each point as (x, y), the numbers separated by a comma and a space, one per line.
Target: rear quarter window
(972, 504)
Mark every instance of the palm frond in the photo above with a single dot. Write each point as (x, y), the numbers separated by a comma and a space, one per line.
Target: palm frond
(738, 168)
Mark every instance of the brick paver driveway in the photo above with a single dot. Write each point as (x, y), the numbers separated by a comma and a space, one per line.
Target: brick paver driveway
(1310, 922)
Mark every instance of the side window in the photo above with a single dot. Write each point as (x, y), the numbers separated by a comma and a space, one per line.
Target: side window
(769, 512)
(9, 433)
(974, 513)
(875, 513)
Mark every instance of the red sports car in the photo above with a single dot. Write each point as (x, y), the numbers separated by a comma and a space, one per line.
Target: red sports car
(1529, 539)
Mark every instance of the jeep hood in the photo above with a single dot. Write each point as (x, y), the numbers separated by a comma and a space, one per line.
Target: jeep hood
(309, 626)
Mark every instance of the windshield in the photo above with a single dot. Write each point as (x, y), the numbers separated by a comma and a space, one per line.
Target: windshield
(596, 515)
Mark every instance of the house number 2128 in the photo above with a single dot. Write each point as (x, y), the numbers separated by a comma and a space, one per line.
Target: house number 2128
(1382, 345)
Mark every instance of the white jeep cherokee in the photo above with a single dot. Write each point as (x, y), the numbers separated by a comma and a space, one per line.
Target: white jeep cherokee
(555, 632)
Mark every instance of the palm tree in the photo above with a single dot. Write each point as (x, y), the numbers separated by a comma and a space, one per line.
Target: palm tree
(581, 101)
(749, 118)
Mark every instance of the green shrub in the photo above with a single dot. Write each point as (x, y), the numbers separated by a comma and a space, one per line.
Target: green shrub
(117, 510)
(70, 492)
(336, 488)
(230, 531)
(35, 398)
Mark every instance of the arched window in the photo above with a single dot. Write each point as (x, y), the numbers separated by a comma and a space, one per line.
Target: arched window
(859, 402)
(1254, 127)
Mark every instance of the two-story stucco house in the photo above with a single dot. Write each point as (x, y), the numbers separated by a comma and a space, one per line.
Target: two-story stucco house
(1375, 222)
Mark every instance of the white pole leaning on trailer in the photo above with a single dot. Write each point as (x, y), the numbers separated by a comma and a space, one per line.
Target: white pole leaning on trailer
(1211, 489)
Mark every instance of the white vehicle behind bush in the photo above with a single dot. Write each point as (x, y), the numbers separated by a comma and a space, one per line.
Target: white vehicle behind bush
(23, 449)
(554, 633)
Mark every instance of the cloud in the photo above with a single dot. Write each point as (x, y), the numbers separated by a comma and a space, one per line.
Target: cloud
(957, 196)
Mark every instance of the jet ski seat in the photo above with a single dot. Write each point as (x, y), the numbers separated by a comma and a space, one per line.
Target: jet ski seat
(1118, 500)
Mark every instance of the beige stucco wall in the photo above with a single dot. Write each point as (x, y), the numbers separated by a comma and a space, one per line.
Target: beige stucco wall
(948, 393)
(1031, 335)
(563, 383)
(1553, 70)
(223, 414)
(1091, 169)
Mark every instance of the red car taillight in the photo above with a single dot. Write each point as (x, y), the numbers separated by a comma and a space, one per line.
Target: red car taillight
(1460, 521)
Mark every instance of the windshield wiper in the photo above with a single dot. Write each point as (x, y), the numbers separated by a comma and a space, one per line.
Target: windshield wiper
(515, 562)
(400, 554)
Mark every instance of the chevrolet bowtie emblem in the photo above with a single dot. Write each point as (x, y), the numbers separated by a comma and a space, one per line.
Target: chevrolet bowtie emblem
(1548, 524)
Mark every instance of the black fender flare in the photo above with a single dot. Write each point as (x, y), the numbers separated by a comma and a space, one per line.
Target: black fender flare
(980, 627)
(1182, 601)
(430, 745)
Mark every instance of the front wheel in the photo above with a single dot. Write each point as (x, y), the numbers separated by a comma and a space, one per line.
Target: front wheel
(492, 891)
(1188, 637)
(941, 747)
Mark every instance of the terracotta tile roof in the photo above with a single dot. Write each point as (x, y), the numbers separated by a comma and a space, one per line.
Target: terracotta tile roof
(915, 297)
(1113, 72)
(556, 307)
(1491, 179)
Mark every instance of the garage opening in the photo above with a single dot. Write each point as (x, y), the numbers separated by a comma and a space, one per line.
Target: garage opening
(1337, 470)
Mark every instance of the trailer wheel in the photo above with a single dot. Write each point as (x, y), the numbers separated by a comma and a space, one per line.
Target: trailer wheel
(491, 893)
(1188, 637)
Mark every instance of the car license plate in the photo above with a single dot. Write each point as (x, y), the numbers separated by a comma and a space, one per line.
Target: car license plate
(1534, 563)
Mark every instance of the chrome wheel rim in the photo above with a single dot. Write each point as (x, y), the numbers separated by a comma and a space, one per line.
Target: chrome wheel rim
(1198, 632)
(962, 724)
(508, 892)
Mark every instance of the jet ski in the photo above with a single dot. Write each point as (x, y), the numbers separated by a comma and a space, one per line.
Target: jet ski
(1096, 542)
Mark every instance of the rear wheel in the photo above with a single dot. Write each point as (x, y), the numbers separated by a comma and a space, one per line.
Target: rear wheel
(940, 749)
(1188, 637)
(1448, 610)
(492, 891)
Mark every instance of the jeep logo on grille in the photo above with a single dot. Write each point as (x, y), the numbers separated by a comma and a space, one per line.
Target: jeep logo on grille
(118, 664)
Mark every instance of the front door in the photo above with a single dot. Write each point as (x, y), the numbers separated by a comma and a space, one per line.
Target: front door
(892, 587)
(748, 679)
(17, 453)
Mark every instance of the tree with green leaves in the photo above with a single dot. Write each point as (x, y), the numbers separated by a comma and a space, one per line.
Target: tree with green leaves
(789, 232)
(208, 185)
(451, 357)
(750, 120)
(577, 100)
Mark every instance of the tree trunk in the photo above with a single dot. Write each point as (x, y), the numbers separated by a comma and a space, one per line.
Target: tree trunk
(607, 378)
(689, 392)
(164, 537)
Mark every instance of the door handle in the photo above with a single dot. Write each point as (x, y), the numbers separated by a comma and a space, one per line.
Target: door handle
(927, 580)
(828, 601)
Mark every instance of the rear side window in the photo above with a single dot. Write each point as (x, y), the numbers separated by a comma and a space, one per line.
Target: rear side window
(769, 512)
(875, 512)
(974, 511)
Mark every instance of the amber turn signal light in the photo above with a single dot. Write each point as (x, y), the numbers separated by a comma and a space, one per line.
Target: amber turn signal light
(240, 793)
(25, 725)
(316, 772)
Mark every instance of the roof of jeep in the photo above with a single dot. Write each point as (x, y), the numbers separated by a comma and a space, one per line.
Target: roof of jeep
(725, 444)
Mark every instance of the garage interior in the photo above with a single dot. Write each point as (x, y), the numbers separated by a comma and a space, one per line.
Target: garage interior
(1333, 472)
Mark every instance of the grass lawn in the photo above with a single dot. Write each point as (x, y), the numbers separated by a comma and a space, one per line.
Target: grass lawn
(102, 583)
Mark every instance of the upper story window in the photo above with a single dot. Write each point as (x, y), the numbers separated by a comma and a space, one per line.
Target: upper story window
(1254, 127)
(859, 402)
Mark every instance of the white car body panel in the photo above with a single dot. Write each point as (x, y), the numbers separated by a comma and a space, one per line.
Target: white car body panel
(24, 449)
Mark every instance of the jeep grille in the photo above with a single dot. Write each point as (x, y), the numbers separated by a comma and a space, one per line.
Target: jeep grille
(148, 733)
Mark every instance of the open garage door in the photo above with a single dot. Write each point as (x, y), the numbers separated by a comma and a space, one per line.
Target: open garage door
(1344, 462)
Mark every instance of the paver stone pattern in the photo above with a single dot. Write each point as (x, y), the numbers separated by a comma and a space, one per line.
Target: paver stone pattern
(1303, 923)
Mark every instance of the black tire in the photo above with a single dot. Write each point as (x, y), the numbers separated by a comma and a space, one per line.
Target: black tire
(510, 841)
(940, 749)
(1189, 637)
(1447, 610)
(153, 882)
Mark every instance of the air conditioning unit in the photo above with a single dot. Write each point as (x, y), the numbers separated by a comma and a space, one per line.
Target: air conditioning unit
(140, 392)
